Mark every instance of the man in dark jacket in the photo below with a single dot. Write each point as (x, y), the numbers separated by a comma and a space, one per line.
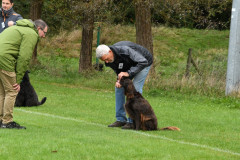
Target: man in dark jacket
(16, 48)
(130, 60)
(7, 15)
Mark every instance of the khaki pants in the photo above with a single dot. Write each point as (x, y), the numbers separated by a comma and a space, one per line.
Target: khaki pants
(7, 95)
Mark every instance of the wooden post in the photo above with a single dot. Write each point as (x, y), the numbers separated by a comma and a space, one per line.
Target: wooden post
(196, 67)
(188, 62)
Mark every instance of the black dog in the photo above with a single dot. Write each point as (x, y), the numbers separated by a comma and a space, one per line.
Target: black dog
(27, 95)
(98, 67)
(139, 109)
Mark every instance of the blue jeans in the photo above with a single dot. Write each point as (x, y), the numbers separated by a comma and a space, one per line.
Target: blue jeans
(138, 82)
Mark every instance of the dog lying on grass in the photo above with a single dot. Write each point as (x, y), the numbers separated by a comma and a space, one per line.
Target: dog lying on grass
(27, 95)
(139, 109)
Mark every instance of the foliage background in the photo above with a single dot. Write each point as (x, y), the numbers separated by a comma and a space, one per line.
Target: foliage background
(201, 14)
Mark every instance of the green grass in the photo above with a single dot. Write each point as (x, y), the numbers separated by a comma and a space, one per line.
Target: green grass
(60, 57)
(72, 124)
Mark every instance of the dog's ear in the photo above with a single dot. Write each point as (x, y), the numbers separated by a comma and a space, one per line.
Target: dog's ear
(122, 81)
(26, 77)
(130, 91)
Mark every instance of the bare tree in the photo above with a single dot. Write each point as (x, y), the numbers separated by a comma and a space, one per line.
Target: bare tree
(85, 61)
(143, 26)
(35, 13)
(36, 9)
(87, 8)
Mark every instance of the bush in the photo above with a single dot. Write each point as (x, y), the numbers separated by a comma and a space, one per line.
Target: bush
(200, 14)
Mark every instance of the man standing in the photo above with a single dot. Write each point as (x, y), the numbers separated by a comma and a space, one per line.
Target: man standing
(17, 45)
(7, 15)
(130, 60)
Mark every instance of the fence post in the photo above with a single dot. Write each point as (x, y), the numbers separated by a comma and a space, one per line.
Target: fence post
(188, 62)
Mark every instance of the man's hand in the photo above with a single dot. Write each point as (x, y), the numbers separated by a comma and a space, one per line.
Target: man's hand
(16, 87)
(118, 85)
(10, 23)
(121, 74)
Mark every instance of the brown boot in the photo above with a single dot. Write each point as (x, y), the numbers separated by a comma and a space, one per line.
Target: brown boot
(117, 124)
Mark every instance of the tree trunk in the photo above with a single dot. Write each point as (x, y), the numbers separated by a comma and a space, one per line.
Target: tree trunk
(85, 61)
(35, 13)
(143, 26)
(36, 9)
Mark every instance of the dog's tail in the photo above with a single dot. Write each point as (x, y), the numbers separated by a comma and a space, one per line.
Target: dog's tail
(170, 128)
(43, 101)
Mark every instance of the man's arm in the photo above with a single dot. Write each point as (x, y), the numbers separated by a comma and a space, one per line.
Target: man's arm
(18, 17)
(141, 61)
(27, 46)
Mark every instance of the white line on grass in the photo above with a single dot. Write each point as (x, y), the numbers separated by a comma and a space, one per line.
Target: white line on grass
(141, 133)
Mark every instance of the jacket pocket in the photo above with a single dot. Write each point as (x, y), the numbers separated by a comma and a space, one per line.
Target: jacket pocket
(10, 74)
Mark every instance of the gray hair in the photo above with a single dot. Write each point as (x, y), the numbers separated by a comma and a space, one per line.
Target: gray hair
(102, 50)
(40, 23)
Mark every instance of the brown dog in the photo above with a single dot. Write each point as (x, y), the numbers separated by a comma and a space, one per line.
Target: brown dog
(139, 109)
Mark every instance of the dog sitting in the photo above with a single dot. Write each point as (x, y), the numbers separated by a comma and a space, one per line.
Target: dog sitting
(27, 95)
(139, 109)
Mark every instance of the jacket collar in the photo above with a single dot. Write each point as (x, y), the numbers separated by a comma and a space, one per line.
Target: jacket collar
(7, 13)
(35, 28)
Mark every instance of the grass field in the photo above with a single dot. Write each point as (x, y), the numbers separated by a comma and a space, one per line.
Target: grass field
(72, 124)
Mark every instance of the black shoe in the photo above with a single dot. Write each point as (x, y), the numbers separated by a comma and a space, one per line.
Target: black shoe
(12, 125)
(117, 124)
(128, 126)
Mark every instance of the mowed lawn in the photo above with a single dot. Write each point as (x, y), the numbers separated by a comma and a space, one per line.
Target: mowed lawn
(72, 125)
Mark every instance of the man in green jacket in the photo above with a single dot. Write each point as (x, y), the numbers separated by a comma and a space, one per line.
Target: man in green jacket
(16, 48)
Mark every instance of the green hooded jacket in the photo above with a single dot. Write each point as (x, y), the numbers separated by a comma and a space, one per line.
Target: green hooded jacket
(17, 44)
